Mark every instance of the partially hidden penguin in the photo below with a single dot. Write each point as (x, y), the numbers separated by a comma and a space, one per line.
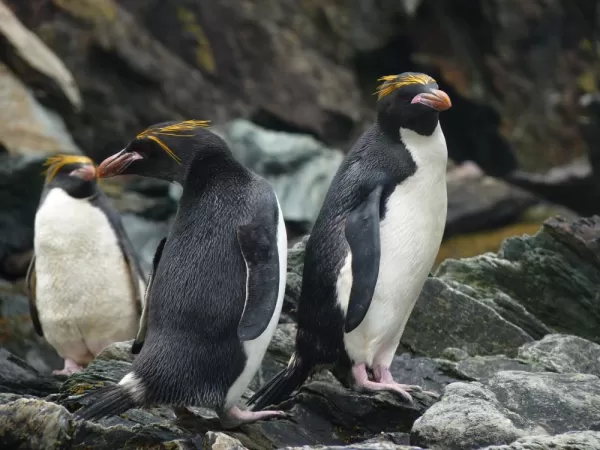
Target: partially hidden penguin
(372, 246)
(84, 281)
(217, 283)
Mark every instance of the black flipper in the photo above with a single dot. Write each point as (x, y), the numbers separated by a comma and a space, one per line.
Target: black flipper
(131, 258)
(283, 384)
(106, 401)
(362, 234)
(30, 282)
(141, 335)
(258, 244)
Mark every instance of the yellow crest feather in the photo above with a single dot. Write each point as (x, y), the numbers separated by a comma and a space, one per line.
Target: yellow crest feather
(176, 129)
(55, 162)
(389, 83)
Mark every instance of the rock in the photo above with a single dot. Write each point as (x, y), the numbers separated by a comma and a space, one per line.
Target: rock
(443, 316)
(117, 351)
(386, 441)
(459, 424)
(299, 167)
(509, 406)
(145, 236)
(481, 368)
(483, 211)
(132, 72)
(35, 63)
(28, 133)
(564, 354)
(17, 377)
(17, 334)
(430, 374)
(145, 197)
(16, 265)
(533, 277)
(36, 423)
(220, 441)
(27, 127)
(579, 440)
(454, 354)
(312, 68)
(478, 243)
(479, 202)
(320, 414)
(18, 204)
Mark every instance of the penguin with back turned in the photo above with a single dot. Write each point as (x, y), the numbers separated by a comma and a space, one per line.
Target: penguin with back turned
(84, 281)
(372, 245)
(217, 283)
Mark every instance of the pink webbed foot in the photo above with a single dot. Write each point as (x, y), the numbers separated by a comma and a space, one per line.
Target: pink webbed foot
(362, 383)
(70, 367)
(382, 374)
(235, 416)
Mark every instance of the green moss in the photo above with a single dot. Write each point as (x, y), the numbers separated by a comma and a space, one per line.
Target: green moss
(89, 10)
(171, 446)
(204, 54)
(81, 388)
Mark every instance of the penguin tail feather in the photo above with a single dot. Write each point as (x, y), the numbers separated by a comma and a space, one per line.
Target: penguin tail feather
(281, 385)
(106, 401)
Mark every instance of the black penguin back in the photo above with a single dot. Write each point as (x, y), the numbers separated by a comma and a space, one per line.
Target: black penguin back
(192, 354)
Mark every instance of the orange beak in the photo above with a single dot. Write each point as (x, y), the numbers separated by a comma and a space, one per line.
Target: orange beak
(117, 163)
(435, 99)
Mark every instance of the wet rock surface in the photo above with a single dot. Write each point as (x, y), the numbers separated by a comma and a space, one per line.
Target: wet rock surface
(507, 390)
(535, 285)
(509, 406)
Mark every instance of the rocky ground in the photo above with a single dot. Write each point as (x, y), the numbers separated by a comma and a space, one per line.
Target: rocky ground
(509, 341)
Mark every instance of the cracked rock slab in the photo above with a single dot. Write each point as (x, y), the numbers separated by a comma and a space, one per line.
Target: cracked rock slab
(564, 353)
(579, 440)
(509, 406)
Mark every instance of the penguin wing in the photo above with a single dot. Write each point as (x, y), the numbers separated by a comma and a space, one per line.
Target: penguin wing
(129, 254)
(362, 234)
(30, 282)
(141, 335)
(258, 243)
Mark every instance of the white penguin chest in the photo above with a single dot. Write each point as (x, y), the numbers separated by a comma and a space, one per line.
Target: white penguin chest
(410, 235)
(80, 269)
(413, 226)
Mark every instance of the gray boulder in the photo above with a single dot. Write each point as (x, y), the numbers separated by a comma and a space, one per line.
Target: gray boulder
(299, 167)
(509, 406)
(543, 284)
(564, 354)
(578, 440)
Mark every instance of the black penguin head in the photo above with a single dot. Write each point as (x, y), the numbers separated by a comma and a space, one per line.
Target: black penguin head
(75, 174)
(165, 151)
(410, 100)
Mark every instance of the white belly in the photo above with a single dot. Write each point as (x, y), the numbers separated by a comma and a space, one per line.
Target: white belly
(84, 295)
(256, 348)
(410, 235)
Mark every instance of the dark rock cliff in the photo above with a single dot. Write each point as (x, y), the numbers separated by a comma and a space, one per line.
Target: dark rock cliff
(522, 75)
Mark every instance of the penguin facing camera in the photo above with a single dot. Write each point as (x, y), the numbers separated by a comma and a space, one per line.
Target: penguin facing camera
(84, 281)
(372, 245)
(217, 283)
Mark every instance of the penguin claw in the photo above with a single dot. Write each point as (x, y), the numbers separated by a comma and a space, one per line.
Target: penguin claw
(235, 416)
(69, 368)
